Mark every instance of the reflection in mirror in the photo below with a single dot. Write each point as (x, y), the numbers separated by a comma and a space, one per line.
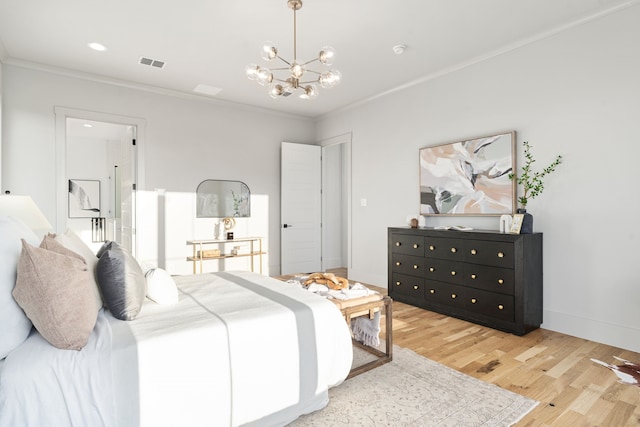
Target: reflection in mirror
(221, 199)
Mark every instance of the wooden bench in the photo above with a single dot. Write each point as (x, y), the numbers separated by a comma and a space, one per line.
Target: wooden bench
(368, 306)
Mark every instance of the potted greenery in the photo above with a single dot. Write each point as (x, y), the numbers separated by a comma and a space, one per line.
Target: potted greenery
(532, 184)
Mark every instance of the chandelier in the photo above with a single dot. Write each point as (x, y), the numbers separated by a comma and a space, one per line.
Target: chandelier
(296, 76)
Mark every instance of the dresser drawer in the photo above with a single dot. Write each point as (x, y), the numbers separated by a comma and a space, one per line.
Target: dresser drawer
(441, 293)
(498, 254)
(444, 248)
(498, 306)
(407, 244)
(407, 285)
(444, 271)
(494, 279)
(407, 264)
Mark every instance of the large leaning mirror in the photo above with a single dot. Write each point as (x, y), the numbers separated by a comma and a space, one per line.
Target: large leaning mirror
(221, 199)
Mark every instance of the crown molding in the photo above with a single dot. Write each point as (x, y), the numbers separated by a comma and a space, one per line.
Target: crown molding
(147, 88)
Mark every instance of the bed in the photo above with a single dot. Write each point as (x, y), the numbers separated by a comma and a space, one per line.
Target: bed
(237, 349)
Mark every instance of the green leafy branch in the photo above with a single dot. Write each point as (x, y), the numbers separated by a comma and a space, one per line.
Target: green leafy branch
(532, 182)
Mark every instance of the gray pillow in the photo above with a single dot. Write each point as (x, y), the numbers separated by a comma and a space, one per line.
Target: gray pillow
(121, 282)
(108, 244)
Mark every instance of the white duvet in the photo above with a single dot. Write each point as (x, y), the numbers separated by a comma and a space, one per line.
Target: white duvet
(238, 349)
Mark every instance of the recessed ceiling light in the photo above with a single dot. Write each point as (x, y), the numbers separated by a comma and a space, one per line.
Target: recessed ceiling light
(97, 46)
(87, 125)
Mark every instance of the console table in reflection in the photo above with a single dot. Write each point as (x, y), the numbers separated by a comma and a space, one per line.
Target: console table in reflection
(204, 250)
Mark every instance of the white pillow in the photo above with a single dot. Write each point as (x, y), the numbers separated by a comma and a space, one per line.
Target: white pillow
(14, 324)
(161, 287)
(73, 242)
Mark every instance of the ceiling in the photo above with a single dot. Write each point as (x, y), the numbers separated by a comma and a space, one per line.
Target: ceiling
(210, 42)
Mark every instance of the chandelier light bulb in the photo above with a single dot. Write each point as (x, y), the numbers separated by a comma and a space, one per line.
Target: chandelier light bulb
(269, 52)
(276, 91)
(289, 79)
(327, 55)
(310, 92)
(252, 71)
(297, 70)
(264, 76)
(330, 78)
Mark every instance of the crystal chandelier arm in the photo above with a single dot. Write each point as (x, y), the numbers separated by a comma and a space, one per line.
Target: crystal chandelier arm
(310, 61)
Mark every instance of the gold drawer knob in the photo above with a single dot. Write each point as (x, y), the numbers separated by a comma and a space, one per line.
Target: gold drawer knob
(398, 283)
(416, 246)
(454, 296)
(416, 287)
(398, 244)
(398, 263)
(500, 281)
(454, 250)
(474, 252)
(431, 269)
(433, 291)
(473, 300)
(415, 266)
(453, 273)
(473, 276)
(500, 307)
(432, 248)
(500, 255)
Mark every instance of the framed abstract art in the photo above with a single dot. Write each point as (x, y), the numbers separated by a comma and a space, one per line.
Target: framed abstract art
(469, 177)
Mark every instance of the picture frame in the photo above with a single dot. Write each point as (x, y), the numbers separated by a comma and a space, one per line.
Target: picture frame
(516, 225)
(84, 198)
(469, 177)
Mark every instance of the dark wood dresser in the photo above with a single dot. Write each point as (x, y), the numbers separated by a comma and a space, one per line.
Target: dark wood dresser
(490, 278)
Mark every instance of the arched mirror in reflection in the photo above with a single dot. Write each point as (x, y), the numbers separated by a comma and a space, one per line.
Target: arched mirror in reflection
(221, 199)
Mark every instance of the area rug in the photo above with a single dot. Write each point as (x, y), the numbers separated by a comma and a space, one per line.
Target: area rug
(415, 391)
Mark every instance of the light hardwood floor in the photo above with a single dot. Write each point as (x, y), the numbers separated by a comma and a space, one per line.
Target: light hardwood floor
(552, 368)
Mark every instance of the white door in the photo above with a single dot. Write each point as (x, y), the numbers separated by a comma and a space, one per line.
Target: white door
(300, 208)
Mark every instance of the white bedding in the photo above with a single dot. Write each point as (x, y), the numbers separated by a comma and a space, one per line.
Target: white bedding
(42, 385)
(238, 349)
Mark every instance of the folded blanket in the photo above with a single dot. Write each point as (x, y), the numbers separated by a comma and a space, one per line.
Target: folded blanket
(365, 330)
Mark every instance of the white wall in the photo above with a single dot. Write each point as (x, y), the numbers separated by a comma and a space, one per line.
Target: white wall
(186, 141)
(576, 94)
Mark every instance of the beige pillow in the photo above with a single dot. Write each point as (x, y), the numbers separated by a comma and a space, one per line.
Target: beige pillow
(53, 290)
(72, 241)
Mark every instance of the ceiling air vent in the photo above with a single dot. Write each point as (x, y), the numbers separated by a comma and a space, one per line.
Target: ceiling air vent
(152, 62)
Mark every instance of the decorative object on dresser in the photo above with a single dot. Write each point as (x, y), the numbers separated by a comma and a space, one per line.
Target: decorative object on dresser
(532, 185)
(490, 278)
(469, 177)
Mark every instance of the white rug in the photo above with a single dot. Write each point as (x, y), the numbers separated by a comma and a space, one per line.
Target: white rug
(415, 391)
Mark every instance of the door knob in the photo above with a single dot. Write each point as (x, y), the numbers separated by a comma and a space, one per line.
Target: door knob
(287, 225)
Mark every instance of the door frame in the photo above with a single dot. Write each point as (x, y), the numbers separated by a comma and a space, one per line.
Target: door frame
(335, 140)
(61, 115)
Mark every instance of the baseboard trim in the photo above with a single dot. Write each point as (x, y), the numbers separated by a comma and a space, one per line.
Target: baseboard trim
(607, 333)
